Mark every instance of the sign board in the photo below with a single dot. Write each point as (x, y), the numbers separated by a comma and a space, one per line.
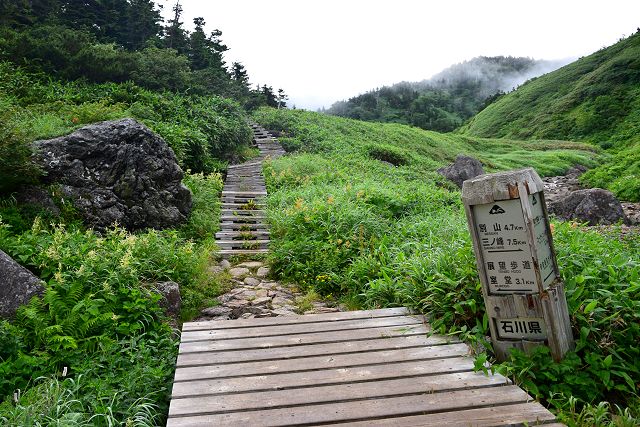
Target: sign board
(506, 252)
(516, 262)
(522, 328)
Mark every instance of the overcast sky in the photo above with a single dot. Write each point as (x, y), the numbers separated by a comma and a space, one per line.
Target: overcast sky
(323, 51)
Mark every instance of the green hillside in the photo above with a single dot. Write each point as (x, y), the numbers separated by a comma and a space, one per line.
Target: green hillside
(347, 225)
(595, 99)
(443, 102)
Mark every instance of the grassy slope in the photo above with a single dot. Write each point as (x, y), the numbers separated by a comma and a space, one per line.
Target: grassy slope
(595, 99)
(371, 235)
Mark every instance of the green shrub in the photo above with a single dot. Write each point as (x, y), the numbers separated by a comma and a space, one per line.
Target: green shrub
(374, 236)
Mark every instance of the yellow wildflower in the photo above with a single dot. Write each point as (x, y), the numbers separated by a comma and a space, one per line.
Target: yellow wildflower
(330, 200)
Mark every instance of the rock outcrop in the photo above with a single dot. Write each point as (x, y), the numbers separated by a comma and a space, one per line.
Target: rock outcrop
(594, 206)
(463, 168)
(17, 286)
(171, 300)
(117, 172)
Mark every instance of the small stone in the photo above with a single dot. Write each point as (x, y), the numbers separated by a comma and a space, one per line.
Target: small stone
(171, 300)
(216, 311)
(263, 272)
(225, 264)
(263, 301)
(238, 304)
(250, 264)
(267, 286)
(215, 269)
(239, 272)
(251, 281)
(280, 301)
(260, 293)
(247, 316)
(247, 294)
(282, 312)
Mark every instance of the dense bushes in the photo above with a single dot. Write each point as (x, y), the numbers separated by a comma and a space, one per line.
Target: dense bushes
(202, 131)
(99, 320)
(347, 225)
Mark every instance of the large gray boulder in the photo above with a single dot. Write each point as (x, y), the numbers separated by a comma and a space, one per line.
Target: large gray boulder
(463, 168)
(17, 286)
(594, 206)
(117, 172)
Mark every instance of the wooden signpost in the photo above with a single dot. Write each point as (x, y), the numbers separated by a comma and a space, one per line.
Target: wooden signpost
(521, 284)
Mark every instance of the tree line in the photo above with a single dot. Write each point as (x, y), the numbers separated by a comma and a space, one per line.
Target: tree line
(444, 102)
(125, 40)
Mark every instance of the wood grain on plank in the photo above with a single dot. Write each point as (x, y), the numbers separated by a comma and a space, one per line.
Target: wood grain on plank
(362, 409)
(530, 413)
(319, 337)
(306, 328)
(266, 354)
(320, 362)
(326, 376)
(290, 320)
(332, 393)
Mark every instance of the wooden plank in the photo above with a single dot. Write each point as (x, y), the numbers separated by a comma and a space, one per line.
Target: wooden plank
(226, 252)
(307, 318)
(295, 329)
(362, 409)
(321, 377)
(332, 393)
(531, 414)
(266, 354)
(318, 337)
(244, 193)
(320, 362)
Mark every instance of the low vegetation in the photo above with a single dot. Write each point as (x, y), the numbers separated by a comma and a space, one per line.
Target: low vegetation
(349, 224)
(97, 349)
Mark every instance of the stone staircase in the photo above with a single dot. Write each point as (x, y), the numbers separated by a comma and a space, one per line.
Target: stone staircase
(243, 226)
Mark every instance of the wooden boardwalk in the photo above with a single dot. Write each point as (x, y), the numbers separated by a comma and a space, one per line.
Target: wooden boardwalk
(243, 227)
(359, 368)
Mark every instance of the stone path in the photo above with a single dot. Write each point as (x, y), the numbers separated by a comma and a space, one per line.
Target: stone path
(243, 226)
(255, 295)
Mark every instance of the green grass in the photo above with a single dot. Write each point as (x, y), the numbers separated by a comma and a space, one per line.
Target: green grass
(345, 224)
(595, 99)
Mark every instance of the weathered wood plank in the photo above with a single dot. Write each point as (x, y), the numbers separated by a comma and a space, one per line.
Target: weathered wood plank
(321, 362)
(357, 410)
(531, 413)
(320, 377)
(290, 320)
(333, 393)
(266, 354)
(319, 337)
(296, 329)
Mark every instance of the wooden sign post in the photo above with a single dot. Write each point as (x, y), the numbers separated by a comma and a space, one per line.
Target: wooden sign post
(521, 284)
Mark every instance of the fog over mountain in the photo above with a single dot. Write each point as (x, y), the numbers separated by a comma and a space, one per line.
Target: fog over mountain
(444, 101)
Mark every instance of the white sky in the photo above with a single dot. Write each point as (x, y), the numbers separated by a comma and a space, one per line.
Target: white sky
(320, 52)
